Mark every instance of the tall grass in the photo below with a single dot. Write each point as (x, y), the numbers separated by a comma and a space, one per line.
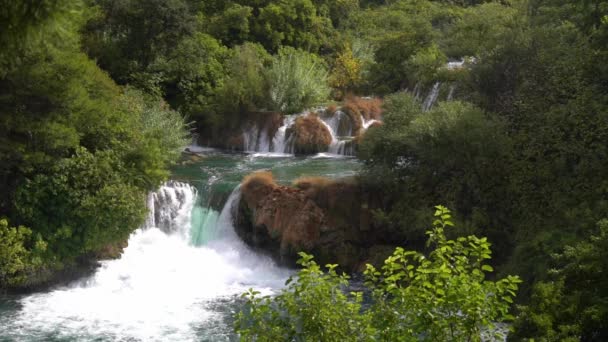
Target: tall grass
(297, 80)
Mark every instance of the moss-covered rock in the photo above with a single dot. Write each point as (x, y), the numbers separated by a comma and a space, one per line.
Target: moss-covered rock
(331, 219)
(309, 135)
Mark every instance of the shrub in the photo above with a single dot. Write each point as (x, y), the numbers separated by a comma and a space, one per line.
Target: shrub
(17, 261)
(442, 296)
(297, 80)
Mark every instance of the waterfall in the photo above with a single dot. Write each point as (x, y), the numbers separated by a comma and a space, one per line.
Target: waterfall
(163, 288)
(432, 97)
(256, 139)
(339, 124)
(416, 91)
(337, 146)
(367, 123)
(279, 143)
(451, 92)
(169, 206)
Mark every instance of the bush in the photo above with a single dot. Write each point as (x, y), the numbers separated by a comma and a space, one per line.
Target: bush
(571, 304)
(19, 254)
(454, 153)
(298, 80)
(442, 296)
(246, 87)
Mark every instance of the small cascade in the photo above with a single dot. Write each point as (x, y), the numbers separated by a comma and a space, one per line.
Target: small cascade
(339, 125)
(227, 217)
(431, 97)
(337, 146)
(256, 139)
(279, 142)
(169, 205)
(451, 92)
(204, 225)
(416, 91)
(367, 123)
(455, 64)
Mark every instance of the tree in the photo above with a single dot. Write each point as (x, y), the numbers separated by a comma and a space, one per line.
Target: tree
(455, 153)
(572, 305)
(127, 36)
(347, 71)
(440, 296)
(292, 23)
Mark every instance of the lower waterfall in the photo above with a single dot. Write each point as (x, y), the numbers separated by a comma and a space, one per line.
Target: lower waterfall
(165, 287)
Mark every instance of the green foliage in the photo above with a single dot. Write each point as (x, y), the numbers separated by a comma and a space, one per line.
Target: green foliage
(297, 80)
(191, 73)
(19, 254)
(82, 203)
(440, 297)
(454, 153)
(232, 25)
(404, 36)
(246, 87)
(443, 296)
(292, 23)
(423, 66)
(313, 307)
(127, 36)
(26, 25)
(480, 29)
(77, 154)
(572, 305)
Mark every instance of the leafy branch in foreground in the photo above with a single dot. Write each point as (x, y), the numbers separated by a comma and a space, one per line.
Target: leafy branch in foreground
(440, 297)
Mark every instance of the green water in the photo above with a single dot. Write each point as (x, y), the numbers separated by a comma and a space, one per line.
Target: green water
(217, 174)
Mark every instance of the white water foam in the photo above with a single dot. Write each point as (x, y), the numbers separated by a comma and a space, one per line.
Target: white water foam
(160, 287)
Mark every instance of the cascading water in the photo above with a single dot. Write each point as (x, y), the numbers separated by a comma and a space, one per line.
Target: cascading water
(432, 97)
(256, 139)
(164, 287)
(279, 141)
(339, 125)
(169, 206)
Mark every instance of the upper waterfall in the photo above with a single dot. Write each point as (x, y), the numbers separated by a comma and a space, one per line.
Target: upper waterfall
(340, 125)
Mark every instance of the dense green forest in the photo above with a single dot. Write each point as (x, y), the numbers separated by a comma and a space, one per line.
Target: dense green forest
(96, 96)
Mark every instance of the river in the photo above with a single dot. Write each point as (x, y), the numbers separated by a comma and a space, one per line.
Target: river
(182, 274)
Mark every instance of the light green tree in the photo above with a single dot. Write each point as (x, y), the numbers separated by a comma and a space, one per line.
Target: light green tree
(442, 296)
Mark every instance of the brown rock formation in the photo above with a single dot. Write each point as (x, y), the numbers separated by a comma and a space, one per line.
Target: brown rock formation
(355, 116)
(330, 219)
(370, 108)
(358, 107)
(309, 135)
(277, 217)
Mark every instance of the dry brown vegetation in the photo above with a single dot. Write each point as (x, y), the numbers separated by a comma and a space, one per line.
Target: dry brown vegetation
(256, 186)
(311, 186)
(369, 108)
(331, 110)
(310, 134)
(355, 116)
